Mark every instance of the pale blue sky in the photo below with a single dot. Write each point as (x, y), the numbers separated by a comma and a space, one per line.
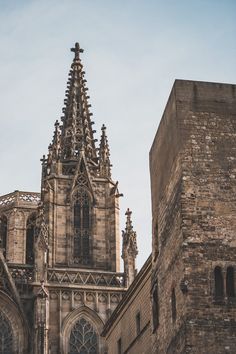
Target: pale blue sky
(134, 50)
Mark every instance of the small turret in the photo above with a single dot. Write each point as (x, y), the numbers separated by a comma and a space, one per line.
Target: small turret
(129, 249)
(104, 155)
(56, 142)
(54, 151)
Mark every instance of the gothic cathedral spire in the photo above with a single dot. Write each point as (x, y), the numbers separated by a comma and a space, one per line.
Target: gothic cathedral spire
(78, 193)
(77, 133)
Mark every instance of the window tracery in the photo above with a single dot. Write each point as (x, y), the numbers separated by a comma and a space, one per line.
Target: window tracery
(3, 234)
(6, 337)
(82, 227)
(83, 338)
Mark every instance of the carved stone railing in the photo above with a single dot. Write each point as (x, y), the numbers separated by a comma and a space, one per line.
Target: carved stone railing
(21, 274)
(19, 197)
(108, 279)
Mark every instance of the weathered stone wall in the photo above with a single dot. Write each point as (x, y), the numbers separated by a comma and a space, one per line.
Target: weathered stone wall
(166, 185)
(200, 121)
(104, 246)
(68, 304)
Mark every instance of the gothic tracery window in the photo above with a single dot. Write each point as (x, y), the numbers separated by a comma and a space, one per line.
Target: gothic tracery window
(83, 338)
(3, 234)
(6, 338)
(82, 227)
(30, 227)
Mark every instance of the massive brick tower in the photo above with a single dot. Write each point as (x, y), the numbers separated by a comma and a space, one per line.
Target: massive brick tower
(60, 250)
(193, 182)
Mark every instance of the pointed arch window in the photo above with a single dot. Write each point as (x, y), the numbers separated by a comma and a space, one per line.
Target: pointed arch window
(230, 289)
(30, 227)
(219, 282)
(3, 234)
(83, 338)
(6, 337)
(82, 227)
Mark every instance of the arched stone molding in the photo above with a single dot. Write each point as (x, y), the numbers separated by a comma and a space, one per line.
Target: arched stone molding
(70, 320)
(19, 328)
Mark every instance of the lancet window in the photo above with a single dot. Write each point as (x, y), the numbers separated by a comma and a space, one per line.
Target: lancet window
(6, 338)
(83, 338)
(82, 227)
(230, 290)
(30, 227)
(3, 234)
(219, 283)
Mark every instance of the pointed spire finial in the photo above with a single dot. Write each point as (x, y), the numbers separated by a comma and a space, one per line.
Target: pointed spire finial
(129, 248)
(104, 155)
(77, 50)
(129, 235)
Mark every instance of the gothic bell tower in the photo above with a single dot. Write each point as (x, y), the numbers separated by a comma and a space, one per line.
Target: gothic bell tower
(79, 196)
(77, 251)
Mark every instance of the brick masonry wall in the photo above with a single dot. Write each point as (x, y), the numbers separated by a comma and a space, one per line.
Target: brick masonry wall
(124, 325)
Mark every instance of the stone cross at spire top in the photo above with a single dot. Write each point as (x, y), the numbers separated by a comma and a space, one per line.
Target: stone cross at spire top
(77, 50)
